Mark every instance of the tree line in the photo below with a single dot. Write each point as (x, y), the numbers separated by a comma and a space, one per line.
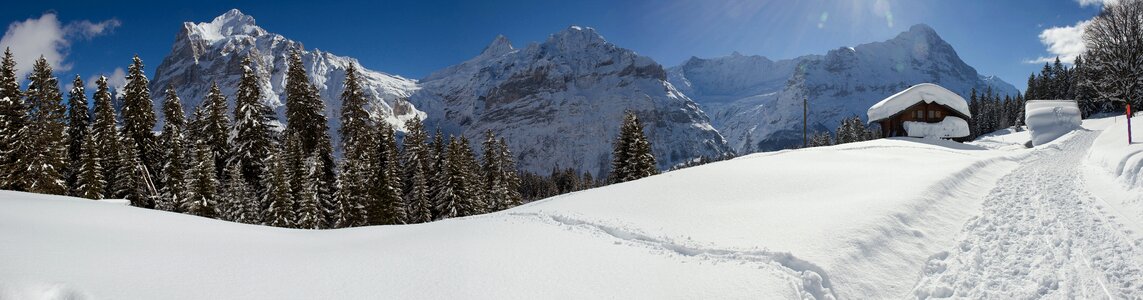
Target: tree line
(1109, 73)
(236, 165)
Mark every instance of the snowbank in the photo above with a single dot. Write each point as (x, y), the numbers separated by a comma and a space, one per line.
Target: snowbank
(950, 127)
(1050, 119)
(852, 221)
(927, 92)
(1112, 153)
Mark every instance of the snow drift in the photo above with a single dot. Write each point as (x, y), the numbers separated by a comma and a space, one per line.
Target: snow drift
(950, 127)
(1050, 119)
(1115, 156)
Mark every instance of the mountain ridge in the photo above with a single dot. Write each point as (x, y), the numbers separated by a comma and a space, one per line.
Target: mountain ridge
(756, 103)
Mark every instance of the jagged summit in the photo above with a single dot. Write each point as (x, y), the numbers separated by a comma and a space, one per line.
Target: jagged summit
(557, 103)
(499, 46)
(231, 23)
(575, 36)
(206, 52)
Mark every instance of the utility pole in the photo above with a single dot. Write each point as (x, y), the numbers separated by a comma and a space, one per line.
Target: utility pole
(805, 114)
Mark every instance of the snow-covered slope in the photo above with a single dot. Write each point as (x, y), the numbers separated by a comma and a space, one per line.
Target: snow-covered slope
(559, 103)
(753, 100)
(770, 226)
(213, 51)
(885, 219)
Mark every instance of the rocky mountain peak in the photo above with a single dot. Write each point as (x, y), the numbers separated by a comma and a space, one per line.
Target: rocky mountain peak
(499, 46)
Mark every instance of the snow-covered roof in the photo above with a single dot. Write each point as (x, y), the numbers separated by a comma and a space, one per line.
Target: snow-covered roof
(927, 92)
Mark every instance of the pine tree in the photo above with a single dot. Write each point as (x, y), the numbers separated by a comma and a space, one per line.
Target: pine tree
(494, 190)
(280, 206)
(202, 199)
(305, 118)
(252, 136)
(129, 182)
(215, 128)
(139, 118)
(447, 197)
(242, 205)
(384, 181)
(173, 173)
(106, 136)
(632, 158)
(473, 197)
(436, 172)
(415, 159)
(356, 143)
(79, 119)
(41, 158)
(13, 112)
(89, 175)
(308, 215)
(509, 179)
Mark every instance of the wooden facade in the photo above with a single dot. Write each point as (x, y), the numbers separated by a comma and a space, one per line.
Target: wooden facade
(920, 112)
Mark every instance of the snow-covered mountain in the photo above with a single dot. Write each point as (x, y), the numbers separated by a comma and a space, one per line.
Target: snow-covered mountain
(756, 103)
(213, 51)
(559, 103)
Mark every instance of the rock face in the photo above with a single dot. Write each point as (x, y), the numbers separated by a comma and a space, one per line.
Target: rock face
(756, 103)
(560, 103)
(213, 51)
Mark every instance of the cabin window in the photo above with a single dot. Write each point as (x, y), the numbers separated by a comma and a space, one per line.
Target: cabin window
(920, 114)
(932, 114)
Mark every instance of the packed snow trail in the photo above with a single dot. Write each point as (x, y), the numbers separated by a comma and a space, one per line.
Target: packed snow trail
(1040, 235)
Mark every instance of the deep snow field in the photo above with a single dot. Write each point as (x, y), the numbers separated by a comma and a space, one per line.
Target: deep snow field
(890, 218)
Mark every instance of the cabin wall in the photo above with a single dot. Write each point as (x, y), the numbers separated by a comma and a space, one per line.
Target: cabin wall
(920, 112)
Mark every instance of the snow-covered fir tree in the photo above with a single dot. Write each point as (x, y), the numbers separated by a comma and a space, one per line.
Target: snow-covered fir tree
(202, 196)
(448, 186)
(511, 178)
(279, 202)
(129, 182)
(307, 213)
(436, 171)
(241, 204)
(41, 159)
(384, 181)
(415, 161)
(12, 114)
(89, 176)
(173, 144)
(106, 136)
(495, 188)
(306, 120)
(78, 123)
(214, 128)
(252, 135)
(632, 158)
(356, 144)
(139, 118)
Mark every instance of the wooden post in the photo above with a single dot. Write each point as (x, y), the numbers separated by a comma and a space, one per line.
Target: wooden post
(1129, 123)
(805, 114)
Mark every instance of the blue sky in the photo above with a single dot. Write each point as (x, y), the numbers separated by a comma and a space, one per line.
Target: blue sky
(414, 38)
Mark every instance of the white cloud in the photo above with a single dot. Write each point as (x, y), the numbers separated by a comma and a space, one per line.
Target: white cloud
(31, 38)
(116, 80)
(87, 30)
(1096, 2)
(1065, 42)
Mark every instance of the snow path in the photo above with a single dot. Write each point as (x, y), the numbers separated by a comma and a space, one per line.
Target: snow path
(1040, 234)
(808, 280)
